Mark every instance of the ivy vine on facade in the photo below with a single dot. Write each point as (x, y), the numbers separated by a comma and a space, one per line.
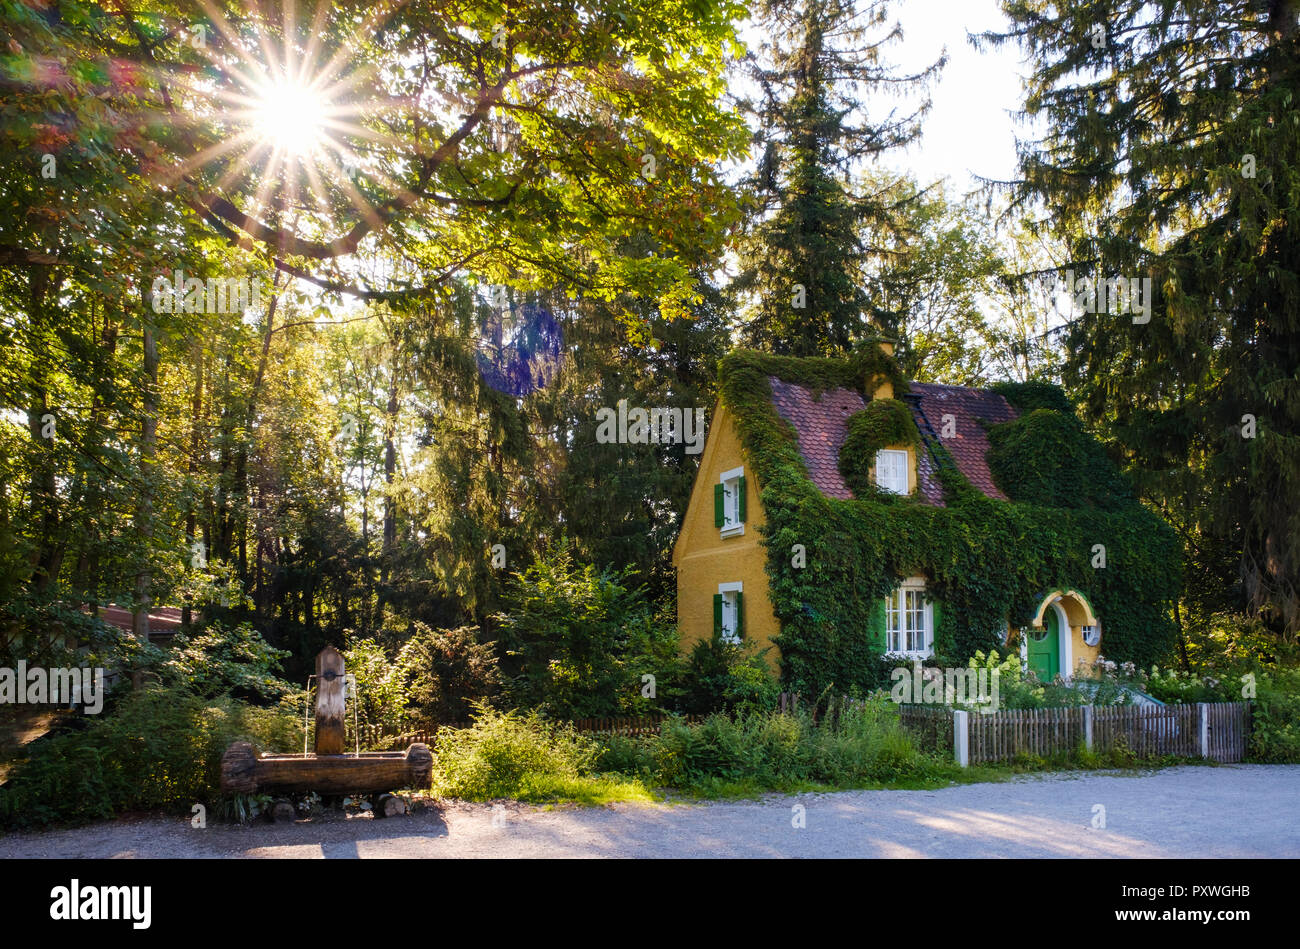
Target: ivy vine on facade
(851, 519)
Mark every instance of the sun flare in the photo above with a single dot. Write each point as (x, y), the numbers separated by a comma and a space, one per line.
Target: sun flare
(291, 118)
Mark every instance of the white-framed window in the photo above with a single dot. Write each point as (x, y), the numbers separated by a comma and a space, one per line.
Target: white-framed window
(909, 620)
(729, 612)
(891, 470)
(729, 502)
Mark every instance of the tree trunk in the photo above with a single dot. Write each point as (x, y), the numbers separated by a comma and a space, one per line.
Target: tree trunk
(87, 570)
(191, 513)
(43, 490)
(144, 509)
(240, 488)
(390, 475)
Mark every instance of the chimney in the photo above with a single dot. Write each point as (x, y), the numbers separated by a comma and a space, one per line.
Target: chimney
(884, 388)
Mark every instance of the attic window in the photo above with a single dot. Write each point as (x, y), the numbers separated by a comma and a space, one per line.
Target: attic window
(891, 470)
(729, 502)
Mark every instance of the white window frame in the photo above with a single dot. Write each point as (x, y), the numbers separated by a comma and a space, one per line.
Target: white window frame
(732, 526)
(907, 470)
(905, 604)
(728, 591)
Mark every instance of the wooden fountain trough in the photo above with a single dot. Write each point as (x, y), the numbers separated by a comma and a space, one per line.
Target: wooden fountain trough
(245, 770)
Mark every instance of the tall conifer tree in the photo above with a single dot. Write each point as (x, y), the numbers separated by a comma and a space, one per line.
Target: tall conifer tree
(1173, 152)
(803, 262)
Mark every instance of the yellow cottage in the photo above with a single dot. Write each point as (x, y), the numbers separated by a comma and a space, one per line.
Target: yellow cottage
(725, 564)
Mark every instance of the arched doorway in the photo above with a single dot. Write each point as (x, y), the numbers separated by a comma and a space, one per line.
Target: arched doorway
(1048, 646)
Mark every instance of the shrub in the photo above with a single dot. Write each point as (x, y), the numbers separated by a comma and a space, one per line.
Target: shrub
(1179, 688)
(1016, 689)
(158, 748)
(579, 639)
(221, 660)
(1275, 728)
(510, 754)
(623, 755)
(434, 678)
(863, 744)
(722, 677)
(382, 684)
(448, 671)
(1103, 683)
(1230, 640)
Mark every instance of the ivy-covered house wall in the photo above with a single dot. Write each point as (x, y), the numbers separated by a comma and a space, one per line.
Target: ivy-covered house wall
(1066, 520)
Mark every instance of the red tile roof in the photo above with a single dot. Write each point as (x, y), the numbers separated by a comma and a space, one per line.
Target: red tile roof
(969, 443)
(822, 429)
(163, 620)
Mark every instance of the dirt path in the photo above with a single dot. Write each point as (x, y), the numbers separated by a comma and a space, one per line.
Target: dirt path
(1232, 811)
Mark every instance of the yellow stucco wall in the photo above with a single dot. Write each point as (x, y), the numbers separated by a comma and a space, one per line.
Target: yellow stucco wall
(704, 558)
(1084, 654)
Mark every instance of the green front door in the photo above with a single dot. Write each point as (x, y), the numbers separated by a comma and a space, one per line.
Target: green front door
(1044, 652)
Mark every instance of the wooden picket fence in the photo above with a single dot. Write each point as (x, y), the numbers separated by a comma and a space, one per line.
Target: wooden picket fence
(1216, 730)
(930, 725)
(1219, 731)
(630, 727)
(385, 738)
(999, 736)
(1149, 730)
(1228, 729)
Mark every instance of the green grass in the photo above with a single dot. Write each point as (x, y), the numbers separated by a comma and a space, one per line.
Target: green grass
(594, 790)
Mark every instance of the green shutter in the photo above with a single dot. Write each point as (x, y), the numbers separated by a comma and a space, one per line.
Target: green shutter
(740, 609)
(878, 623)
(934, 633)
(717, 614)
(740, 502)
(719, 517)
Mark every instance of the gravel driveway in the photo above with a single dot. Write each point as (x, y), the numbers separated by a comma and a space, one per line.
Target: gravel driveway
(1231, 811)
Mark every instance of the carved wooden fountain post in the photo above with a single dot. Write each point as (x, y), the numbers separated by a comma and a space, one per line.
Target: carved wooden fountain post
(331, 727)
(245, 770)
